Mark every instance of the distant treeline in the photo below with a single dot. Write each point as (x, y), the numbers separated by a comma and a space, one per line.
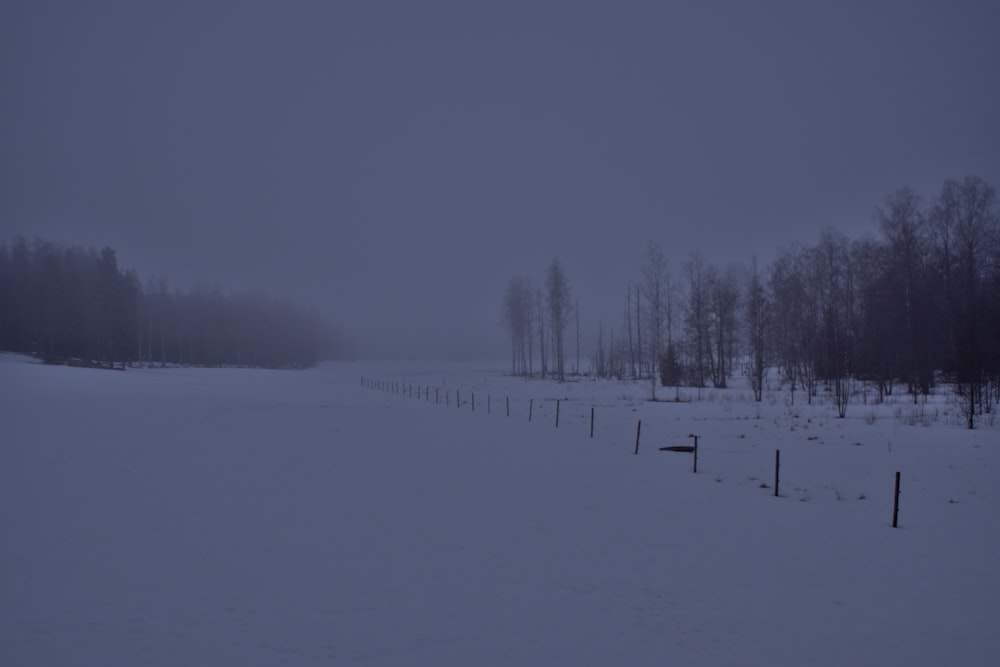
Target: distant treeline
(917, 305)
(74, 304)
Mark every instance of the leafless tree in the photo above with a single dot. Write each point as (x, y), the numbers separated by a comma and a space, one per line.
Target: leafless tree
(655, 288)
(576, 313)
(757, 314)
(517, 317)
(966, 226)
(697, 321)
(723, 308)
(540, 318)
(559, 308)
(905, 294)
(796, 318)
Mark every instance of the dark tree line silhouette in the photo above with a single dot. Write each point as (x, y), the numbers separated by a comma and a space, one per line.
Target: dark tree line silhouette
(76, 305)
(915, 306)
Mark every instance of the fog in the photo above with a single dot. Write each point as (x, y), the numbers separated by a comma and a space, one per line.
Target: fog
(393, 164)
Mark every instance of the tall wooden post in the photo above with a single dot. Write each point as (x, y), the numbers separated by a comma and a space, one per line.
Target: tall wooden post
(895, 504)
(638, 428)
(777, 468)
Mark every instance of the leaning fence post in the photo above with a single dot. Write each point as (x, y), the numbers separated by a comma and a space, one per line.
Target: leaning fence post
(531, 406)
(638, 428)
(895, 503)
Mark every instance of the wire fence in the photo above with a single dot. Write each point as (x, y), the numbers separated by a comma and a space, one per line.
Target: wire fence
(564, 413)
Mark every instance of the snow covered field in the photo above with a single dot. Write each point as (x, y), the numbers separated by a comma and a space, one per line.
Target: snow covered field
(245, 517)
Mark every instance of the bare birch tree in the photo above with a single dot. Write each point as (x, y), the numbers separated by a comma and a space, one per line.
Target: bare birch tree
(559, 307)
(655, 288)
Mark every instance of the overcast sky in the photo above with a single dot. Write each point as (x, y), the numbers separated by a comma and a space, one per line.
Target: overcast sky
(395, 163)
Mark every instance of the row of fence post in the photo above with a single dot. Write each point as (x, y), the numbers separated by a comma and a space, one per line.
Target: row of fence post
(404, 389)
(401, 388)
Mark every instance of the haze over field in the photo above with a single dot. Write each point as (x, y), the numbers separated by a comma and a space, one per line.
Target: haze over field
(393, 164)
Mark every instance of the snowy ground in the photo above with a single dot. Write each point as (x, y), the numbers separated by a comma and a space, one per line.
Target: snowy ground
(243, 517)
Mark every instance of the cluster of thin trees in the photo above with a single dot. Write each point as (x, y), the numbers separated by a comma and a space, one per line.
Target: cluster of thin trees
(541, 315)
(75, 304)
(914, 306)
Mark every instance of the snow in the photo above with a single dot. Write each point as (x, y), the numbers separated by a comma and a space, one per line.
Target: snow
(249, 517)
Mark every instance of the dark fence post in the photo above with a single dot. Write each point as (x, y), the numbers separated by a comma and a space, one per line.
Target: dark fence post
(895, 503)
(777, 467)
(638, 428)
(694, 468)
(489, 404)
(473, 401)
(531, 406)
(557, 412)
(508, 406)
(591, 422)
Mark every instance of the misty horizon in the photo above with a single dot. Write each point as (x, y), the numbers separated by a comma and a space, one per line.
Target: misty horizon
(394, 166)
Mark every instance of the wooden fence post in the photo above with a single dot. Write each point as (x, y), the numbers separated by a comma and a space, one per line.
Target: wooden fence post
(591, 422)
(895, 503)
(638, 428)
(777, 469)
